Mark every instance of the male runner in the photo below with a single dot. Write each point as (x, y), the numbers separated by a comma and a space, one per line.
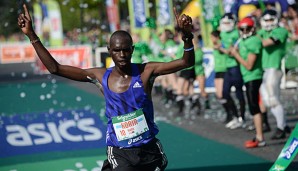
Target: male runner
(131, 130)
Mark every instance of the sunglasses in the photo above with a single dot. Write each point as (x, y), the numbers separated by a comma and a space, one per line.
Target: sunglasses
(245, 29)
(271, 19)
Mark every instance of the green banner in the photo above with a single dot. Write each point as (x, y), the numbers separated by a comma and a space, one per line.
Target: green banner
(138, 12)
(288, 153)
(164, 13)
(37, 14)
(211, 9)
(56, 33)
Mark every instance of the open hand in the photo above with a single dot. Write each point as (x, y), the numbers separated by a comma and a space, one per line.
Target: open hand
(25, 21)
(184, 22)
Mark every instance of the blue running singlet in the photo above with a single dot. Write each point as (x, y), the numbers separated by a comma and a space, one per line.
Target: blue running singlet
(130, 114)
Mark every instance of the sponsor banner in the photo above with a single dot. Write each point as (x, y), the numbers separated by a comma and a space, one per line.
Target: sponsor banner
(288, 153)
(113, 14)
(227, 5)
(164, 13)
(208, 64)
(34, 133)
(211, 9)
(93, 163)
(138, 12)
(78, 56)
(16, 53)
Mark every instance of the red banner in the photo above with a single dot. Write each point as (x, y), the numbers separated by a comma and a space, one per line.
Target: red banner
(113, 14)
(78, 56)
(16, 53)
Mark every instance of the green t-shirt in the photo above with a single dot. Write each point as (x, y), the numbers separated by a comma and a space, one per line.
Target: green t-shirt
(179, 54)
(291, 60)
(272, 55)
(179, 51)
(228, 39)
(219, 61)
(251, 45)
(141, 49)
(169, 47)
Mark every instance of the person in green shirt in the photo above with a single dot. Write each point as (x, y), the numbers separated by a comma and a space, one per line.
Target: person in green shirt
(186, 78)
(167, 54)
(232, 78)
(200, 73)
(274, 40)
(142, 52)
(219, 64)
(249, 55)
(291, 59)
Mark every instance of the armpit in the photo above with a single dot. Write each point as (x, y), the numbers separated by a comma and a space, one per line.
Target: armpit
(96, 82)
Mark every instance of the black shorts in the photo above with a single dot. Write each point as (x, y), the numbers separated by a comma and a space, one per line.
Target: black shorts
(219, 74)
(188, 74)
(252, 94)
(149, 157)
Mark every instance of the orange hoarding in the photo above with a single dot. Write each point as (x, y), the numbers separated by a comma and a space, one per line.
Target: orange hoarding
(78, 56)
(16, 53)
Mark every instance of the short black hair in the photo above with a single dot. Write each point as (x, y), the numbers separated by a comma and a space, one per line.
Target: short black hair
(122, 34)
(169, 34)
(215, 33)
(294, 6)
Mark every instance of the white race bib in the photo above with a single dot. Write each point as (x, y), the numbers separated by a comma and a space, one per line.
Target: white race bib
(130, 125)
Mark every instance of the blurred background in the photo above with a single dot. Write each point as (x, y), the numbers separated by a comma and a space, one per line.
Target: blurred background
(50, 123)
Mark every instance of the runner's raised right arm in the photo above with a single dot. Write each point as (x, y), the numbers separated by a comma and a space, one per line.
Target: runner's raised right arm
(74, 73)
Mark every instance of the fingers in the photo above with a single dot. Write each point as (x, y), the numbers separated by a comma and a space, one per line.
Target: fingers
(22, 20)
(26, 12)
(24, 17)
(190, 19)
(176, 14)
(185, 19)
(184, 22)
(182, 17)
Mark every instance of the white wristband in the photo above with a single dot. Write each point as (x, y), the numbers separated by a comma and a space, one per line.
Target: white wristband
(189, 49)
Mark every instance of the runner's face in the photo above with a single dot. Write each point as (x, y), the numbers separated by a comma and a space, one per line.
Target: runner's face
(121, 50)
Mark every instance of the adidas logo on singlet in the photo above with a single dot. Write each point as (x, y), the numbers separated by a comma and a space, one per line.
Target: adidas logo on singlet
(137, 85)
